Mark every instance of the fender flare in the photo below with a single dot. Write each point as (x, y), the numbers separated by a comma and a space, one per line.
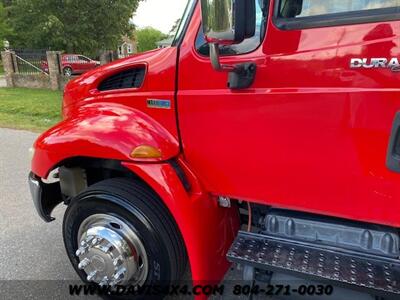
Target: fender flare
(101, 130)
(112, 131)
(208, 230)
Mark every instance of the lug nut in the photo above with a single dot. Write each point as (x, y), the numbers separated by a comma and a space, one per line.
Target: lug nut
(118, 277)
(80, 251)
(91, 276)
(96, 241)
(89, 239)
(117, 262)
(83, 264)
(120, 274)
(104, 281)
(107, 249)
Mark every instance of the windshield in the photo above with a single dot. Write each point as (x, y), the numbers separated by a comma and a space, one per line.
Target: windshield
(184, 21)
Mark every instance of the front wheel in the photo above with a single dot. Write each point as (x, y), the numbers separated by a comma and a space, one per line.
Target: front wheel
(67, 72)
(118, 232)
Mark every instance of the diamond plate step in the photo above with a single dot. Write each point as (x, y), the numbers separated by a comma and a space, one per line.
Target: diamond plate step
(343, 267)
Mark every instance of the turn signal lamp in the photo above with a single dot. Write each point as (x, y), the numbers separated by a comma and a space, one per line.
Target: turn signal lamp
(31, 152)
(145, 151)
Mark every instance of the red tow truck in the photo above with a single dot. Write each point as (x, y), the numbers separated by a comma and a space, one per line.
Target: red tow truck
(267, 135)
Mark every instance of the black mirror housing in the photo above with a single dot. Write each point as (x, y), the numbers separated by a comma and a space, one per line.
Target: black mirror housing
(245, 20)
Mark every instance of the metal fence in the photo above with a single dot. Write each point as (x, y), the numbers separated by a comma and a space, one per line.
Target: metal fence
(31, 62)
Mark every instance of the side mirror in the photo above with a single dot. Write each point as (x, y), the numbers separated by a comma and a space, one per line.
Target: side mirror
(227, 22)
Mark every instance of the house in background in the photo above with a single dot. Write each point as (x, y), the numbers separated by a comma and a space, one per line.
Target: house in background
(128, 46)
(165, 43)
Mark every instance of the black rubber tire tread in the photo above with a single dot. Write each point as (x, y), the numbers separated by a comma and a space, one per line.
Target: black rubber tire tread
(141, 195)
(155, 204)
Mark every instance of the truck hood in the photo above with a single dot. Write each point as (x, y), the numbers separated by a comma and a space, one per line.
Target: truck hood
(85, 86)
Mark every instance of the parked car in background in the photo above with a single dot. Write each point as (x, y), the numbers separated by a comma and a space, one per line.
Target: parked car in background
(73, 64)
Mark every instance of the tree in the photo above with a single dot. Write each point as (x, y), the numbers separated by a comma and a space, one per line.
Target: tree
(174, 28)
(148, 37)
(6, 2)
(5, 29)
(71, 25)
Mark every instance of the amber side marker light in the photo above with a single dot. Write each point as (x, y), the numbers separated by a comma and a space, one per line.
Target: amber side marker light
(145, 151)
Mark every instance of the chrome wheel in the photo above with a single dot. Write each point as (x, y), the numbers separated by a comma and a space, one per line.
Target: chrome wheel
(110, 252)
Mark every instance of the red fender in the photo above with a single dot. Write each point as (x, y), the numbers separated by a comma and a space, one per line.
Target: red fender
(112, 131)
(207, 229)
(101, 130)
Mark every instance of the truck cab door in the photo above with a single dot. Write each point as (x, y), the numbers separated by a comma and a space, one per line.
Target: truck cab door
(312, 132)
(223, 130)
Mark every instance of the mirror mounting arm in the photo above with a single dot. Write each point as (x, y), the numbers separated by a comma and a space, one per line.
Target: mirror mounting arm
(215, 60)
(240, 76)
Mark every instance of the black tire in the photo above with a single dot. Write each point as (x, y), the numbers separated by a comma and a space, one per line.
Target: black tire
(140, 208)
(67, 71)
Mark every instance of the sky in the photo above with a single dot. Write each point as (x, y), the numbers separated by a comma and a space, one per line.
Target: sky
(160, 14)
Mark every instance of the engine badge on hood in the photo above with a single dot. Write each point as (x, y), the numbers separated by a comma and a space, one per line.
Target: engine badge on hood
(157, 103)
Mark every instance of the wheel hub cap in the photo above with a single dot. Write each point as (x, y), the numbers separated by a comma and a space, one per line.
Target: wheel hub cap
(110, 252)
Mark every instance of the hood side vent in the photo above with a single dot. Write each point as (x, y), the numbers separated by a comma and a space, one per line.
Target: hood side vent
(132, 78)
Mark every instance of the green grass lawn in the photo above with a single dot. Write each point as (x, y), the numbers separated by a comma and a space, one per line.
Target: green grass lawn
(29, 109)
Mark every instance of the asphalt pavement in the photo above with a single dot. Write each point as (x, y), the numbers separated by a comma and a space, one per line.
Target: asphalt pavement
(33, 263)
(29, 248)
